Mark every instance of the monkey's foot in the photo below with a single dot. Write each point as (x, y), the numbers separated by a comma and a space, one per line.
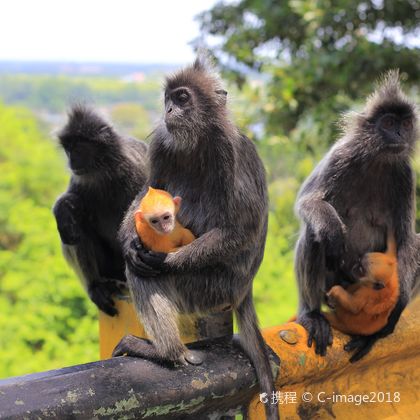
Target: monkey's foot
(361, 345)
(131, 345)
(318, 329)
(101, 294)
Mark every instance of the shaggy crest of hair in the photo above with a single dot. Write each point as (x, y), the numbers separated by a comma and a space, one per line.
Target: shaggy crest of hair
(201, 75)
(84, 121)
(387, 95)
(156, 200)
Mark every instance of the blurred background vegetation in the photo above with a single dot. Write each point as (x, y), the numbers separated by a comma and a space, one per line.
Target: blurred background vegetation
(292, 68)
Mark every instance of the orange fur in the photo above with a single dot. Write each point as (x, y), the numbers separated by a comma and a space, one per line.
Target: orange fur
(360, 309)
(156, 202)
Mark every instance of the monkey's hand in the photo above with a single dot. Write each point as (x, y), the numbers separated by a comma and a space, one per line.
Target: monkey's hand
(101, 292)
(331, 298)
(68, 214)
(318, 329)
(333, 240)
(142, 262)
(362, 344)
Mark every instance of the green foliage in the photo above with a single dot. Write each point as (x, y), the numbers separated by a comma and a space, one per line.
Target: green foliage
(46, 320)
(131, 119)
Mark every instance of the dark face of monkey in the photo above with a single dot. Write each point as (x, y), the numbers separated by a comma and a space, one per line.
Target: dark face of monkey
(89, 154)
(395, 130)
(191, 97)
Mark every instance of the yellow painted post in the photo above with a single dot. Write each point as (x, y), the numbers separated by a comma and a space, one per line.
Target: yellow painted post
(192, 328)
(315, 387)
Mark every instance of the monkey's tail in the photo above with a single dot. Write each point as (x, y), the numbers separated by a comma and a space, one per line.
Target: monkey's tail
(254, 346)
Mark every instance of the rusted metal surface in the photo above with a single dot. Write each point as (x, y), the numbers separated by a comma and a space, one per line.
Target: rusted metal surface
(393, 366)
(192, 328)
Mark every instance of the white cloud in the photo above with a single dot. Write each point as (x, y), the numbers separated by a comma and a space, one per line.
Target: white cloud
(155, 31)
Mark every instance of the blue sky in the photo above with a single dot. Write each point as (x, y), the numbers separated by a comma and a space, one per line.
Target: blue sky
(138, 31)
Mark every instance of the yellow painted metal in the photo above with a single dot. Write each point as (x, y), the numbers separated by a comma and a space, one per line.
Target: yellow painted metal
(393, 366)
(192, 328)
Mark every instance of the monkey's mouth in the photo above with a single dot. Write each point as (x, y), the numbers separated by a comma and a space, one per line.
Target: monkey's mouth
(395, 147)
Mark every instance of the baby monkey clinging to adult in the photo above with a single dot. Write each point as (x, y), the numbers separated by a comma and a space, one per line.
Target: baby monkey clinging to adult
(364, 308)
(156, 222)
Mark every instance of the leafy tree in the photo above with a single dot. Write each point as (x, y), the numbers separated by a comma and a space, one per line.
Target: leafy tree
(320, 56)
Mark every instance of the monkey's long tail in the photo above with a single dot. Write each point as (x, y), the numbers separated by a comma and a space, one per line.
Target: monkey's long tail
(254, 346)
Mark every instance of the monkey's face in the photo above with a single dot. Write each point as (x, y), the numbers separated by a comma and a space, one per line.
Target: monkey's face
(87, 156)
(162, 223)
(396, 131)
(180, 108)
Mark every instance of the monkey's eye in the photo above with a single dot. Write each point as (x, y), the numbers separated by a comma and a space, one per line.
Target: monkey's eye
(154, 221)
(388, 123)
(183, 96)
(407, 123)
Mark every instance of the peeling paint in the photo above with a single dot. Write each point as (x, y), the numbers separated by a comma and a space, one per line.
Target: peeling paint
(119, 407)
(233, 375)
(19, 402)
(91, 392)
(302, 359)
(200, 384)
(72, 396)
(166, 409)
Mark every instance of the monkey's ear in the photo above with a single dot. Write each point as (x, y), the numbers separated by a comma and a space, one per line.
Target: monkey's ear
(138, 216)
(223, 95)
(177, 202)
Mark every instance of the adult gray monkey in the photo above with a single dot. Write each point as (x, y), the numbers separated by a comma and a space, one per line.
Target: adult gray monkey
(107, 170)
(198, 153)
(363, 186)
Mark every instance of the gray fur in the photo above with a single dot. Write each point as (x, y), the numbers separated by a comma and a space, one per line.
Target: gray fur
(357, 192)
(217, 172)
(109, 175)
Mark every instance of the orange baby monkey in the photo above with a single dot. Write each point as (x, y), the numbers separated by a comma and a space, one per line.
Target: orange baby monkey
(156, 222)
(363, 308)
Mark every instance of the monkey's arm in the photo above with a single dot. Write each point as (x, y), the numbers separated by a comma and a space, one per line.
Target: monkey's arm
(205, 251)
(187, 237)
(68, 213)
(325, 223)
(353, 303)
(85, 258)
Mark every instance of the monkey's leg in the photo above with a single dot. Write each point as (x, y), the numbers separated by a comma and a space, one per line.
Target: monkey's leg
(363, 344)
(253, 344)
(159, 317)
(311, 277)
